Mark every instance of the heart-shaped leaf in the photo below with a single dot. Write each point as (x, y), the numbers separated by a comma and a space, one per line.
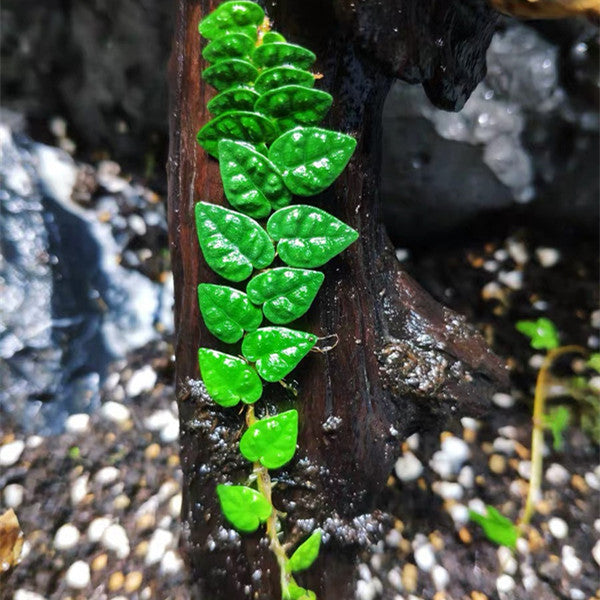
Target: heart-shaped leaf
(243, 507)
(233, 99)
(236, 16)
(236, 125)
(299, 593)
(227, 312)
(232, 244)
(277, 54)
(286, 293)
(276, 350)
(542, 333)
(272, 36)
(229, 73)
(311, 158)
(272, 440)
(251, 181)
(293, 105)
(232, 45)
(306, 554)
(276, 77)
(228, 379)
(308, 236)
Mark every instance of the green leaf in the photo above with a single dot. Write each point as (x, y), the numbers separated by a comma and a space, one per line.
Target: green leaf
(293, 105)
(227, 312)
(306, 554)
(229, 73)
(543, 333)
(237, 16)
(281, 53)
(308, 236)
(295, 592)
(232, 244)
(233, 99)
(272, 36)
(251, 181)
(276, 350)
(228, 379)
(243, 507)
(232, 45)
(286, 294)
(497, 527)
(270, 79)
(272, 440)
(557, 420)
(235, 125)
(311, 158)
(594, 362)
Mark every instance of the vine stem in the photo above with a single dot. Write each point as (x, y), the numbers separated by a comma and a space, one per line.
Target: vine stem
(265, 487)
(537, 433)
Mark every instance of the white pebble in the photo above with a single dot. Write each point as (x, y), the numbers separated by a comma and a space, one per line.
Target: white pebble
(175, 506)
(501, 254)
(138, 224)
(425, 557)
(78, 423)
(570, 562)
(111, 381)
(106, 475)
(592, 480)
(413, 441)
(596, 552)
(511, 279)
(11, 452)
(27, 595)
(477, 505)
(517, 251)
(141, 381)
(503, 400)
(524, 469)
(522, 547)
(395, 578)
(159, 543)
(78, 575)
(158, 420)
(115, 412)
(440, 578)
(490, 266)
(393, 538)
(408, 467)
(97, 527)
(576, 594)
(441, 464)
(365, 590)
(466, 477)
(507, 561)
(470, 423)
(457, 451)
(13, 495)
(508, 431)
(171, 563)
(536, 361)
(558, 528)
(504, 446)
(597, 525)
(505, 584)
(115, 539)
(66, 537)
(547, 257)
(557, 475)
(448, 490)
(528, 578)
(170, 433)
(459, 514)
(79, 489)
(402, 254)
(34, 441)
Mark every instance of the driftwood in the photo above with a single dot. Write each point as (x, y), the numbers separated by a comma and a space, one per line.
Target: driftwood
(402, 361)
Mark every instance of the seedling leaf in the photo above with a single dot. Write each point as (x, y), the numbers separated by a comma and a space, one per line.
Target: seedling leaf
(243, 507)
(497, 527)
(557, 420)
(542, 333)
(306, 554)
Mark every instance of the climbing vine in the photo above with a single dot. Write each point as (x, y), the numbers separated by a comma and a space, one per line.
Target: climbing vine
(264, 134)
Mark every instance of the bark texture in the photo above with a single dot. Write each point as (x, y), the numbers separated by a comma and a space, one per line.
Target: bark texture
(402, 361)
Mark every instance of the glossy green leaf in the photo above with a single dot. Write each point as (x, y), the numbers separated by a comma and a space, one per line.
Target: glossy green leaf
(229, 73)
(236, 125)
(308, 236)
(295, 592)
(243, 507)
(233, 99)
(237, 16)
(311, 158)
(286, 294)
(272, 36)
(270, 79)
(593, 362)
(232, 244)
(232, 45)
(542, 333)
(276, 350)
(293, 105)
(497, 527)
(306, 554)
(251, 181)
(228, 379)
(277, 54)
(272, 440)
(557, 420)
(227, 312)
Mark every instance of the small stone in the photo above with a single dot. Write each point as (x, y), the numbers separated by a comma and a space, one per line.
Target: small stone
(558, 528)
(547, 257)
(159, 542)
(115, 539)
(596, 552)
(402, 254)
(133, 581)
(79, 489)
(440, 578)
(137, 224)
(570, 562)
(576, 594)
(27, 595)
(456, 450)
(408, 467)
(13, 495)
(78, 575)
(497, 464)
(171, 563)
(409, 577)
(152, 451)
(504, 446)
(517, 251)
(507, 561)
(466, 477)
(441, 464)
(115, 581)
(106, 476)
(492, 290)
(158, 420)
(11, 452)
(536, 361)
(115, 412)
(524, 469)
(34, 441)
(121, 502)
(413, 442)
(508, 431)
(459, 514)
(465, 535)
(505, 584)
(395, 578)
(97, 528)
(557, 475)
(475, 595)
(448, 490)
(425, 557)
(78, 423)
(503, 400)
(170, 433)
(578, 483)
(175, 506)
(99, 563)
(66, 537)
(365, 590)
(477, 505)
(592, 480)
(141, 381)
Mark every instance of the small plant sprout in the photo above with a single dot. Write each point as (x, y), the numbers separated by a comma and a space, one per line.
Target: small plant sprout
(497, 528)
(265, 135)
